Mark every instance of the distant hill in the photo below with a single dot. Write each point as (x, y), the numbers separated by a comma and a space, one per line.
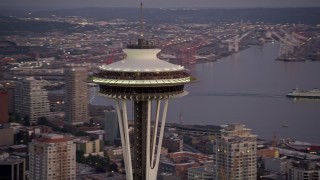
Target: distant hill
(13, 25)
(267, 15)
(10, 26)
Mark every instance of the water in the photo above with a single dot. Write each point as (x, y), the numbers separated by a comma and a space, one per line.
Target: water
(249, 87)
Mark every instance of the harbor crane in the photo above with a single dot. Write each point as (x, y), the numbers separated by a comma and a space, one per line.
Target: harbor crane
(110, 59)
(286, 47)
(298, 36)
(296, 42)
(289, 43)
(233, 43)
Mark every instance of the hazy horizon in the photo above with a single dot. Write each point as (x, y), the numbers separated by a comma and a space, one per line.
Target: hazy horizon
(70, 4)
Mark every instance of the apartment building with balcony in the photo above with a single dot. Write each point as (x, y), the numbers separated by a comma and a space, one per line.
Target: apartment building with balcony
(235, 153)
(52, 156)
(31, 99)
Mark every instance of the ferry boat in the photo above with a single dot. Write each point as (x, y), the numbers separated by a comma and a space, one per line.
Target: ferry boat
(312, 94)
(290, 59)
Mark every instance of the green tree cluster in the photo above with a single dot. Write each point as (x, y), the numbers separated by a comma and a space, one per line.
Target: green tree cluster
(14, 117)
(101, 164)
(44, 121)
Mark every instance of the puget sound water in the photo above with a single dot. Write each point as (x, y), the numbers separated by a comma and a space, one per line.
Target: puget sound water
(249, 87)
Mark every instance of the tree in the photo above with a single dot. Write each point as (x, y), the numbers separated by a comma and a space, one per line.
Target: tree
(11, 119)
(17, 117)
(101, 169)
(23, 138)
(56, 128)
(80, 156)
(87, 124)
(65, 130)
(80, 133)
(122, 163)
(113, 167)
(14, 117)
(26, 120)
(43, 121)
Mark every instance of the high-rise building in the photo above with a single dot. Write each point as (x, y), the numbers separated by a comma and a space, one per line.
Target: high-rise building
(12, 167)
(235, 154)
(4, 105)
(173, 144)
(148, 83)
(9, 87)
(31, 99)
(304, 170)
(114, 152)
(90, 147)
(76, 94)
(52, 157)
(111, 126)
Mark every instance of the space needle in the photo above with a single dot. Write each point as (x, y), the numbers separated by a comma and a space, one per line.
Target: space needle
(148, 83)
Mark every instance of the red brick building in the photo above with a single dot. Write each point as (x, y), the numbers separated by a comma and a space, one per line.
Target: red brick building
(4, 107)
(178, 163)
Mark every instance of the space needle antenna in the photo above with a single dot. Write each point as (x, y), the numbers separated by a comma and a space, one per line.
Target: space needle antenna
(141, 20)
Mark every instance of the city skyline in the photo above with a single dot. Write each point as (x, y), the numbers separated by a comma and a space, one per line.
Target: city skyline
(110, 101)
(59, 4)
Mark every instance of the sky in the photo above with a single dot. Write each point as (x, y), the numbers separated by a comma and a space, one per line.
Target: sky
(62, 4)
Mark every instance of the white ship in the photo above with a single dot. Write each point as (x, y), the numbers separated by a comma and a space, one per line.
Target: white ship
(313, 94)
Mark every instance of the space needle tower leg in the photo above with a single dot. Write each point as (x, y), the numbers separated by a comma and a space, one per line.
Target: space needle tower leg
(124, 134)
(154, 150)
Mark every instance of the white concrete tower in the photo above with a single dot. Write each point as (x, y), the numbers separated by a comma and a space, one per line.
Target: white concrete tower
(145, 80)
(148, 83)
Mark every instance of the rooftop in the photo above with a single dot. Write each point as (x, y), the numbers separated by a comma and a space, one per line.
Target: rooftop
(52, 138)
(307, 165)
(200, 169)
(236, 132)
(142, 60)
(184, 158)
(5, 158)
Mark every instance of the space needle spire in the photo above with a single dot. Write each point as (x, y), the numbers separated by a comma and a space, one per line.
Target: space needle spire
(148, 83)
(141, 20)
